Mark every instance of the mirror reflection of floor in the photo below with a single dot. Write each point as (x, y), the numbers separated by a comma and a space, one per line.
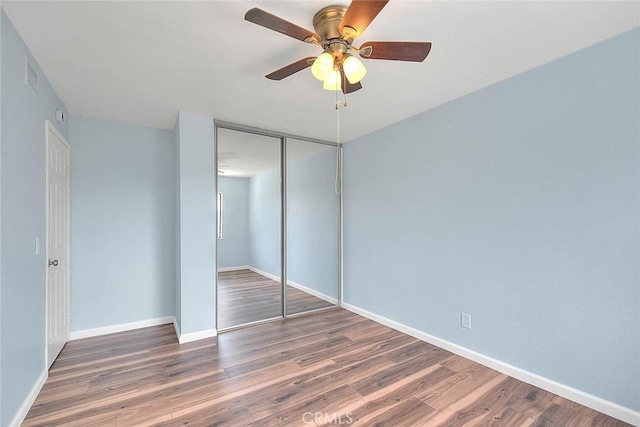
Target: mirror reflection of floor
(245, 296)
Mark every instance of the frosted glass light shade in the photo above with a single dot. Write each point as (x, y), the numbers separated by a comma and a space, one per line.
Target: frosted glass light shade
(322, 66)
(353, 69)
(333, 82)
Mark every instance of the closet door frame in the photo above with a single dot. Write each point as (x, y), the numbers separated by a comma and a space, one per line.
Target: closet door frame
(218, 124)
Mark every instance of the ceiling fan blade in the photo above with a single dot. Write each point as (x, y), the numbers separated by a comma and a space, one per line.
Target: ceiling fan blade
(275, 23)
(349, 87)
(290, 69)
(359, 15)
(397, 51)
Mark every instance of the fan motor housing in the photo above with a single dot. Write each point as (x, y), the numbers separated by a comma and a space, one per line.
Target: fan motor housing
(326, 22)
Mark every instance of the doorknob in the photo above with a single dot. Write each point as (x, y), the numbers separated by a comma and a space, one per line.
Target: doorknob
(54, 263)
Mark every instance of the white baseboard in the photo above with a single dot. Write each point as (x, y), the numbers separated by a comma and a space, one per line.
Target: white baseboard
(313, 292)
(195, 336)
(240, 267)
(182, 338)
(176, 327)
(19, 417)
(303, 288)
(87, 333)
(601, 405)
(264, 273)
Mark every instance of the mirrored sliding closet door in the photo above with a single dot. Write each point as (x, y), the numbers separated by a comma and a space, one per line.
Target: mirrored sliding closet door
(278, 222)
(249, 221)
(313, 220)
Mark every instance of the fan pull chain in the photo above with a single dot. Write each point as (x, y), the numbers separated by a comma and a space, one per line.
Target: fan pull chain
(344, 85)
(338, 127)
(338, 183)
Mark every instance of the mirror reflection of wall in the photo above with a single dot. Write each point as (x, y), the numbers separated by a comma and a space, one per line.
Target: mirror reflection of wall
(249, 250)
(313, 218)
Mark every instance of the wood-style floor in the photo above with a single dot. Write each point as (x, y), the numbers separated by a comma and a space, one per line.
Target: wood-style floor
(245, 296)
(333, 365)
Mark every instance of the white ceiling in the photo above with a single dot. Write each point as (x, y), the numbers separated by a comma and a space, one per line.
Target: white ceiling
(142, 62)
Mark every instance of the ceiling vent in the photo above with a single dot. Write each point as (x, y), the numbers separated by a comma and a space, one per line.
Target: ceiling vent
(30, 76)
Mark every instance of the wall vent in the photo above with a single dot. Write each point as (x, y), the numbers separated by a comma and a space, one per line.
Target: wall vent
(30, 76)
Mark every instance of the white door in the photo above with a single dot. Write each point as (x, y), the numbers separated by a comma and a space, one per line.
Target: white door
(57, 285)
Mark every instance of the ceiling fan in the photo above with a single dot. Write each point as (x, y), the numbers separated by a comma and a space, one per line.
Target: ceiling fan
(336, 27)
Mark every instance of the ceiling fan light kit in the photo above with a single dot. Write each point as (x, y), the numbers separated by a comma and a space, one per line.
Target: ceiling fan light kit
(354, 69)
(333, 81)
(336, 27)
(323, 66)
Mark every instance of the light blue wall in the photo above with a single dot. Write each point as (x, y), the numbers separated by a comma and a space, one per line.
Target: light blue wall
(197, 223)
(233, 248)
(123, 223)
(264, 221)
(23, 219)
(313, 219)
(518, 204)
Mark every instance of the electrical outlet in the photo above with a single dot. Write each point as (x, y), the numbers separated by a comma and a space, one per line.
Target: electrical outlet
(465, 320)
